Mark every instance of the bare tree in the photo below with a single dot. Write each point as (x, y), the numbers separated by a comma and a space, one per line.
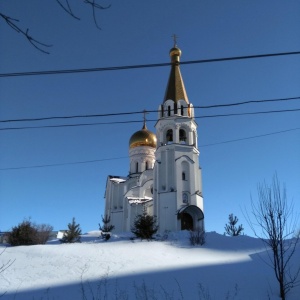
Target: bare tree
(276, 221)
(65, 5)
(43, 233)
(230, 228)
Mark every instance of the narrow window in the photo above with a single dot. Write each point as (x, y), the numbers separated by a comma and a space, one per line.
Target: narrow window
(182, 136)
(169, 135)
(147, 167)
(181, 110)
(183, 176)
(194, 138)
(137, 167)
(169, 111)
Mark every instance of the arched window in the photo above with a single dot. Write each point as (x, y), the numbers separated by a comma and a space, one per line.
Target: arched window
(182, 136)
(169, 136)
(183, 176)
(169, 111)
(137, 167)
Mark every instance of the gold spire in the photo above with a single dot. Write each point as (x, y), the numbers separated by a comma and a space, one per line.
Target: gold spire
(175, 88)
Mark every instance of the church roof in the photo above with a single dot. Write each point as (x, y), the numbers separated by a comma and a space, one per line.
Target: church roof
(175, 88)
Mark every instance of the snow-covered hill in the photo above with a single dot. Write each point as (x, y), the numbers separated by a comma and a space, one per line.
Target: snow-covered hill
(224, 268)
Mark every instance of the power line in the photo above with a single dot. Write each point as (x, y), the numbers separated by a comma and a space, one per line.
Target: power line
(248, 138)
(77, 116)
(117, 68)
(150, 111)
(63, 164)
(123, 157)
(248, 102)
(249, 113)
(72, 125)
(153, 120)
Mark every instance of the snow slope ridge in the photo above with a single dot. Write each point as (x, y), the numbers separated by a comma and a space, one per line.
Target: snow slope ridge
(121, 268)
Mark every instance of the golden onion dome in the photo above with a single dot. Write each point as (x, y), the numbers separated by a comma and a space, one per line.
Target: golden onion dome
(143, 137)
(175, 54)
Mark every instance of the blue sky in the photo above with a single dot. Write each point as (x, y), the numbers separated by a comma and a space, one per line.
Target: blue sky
(139, 32)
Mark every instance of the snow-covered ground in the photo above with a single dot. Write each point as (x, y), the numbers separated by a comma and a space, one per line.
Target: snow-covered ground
(224, 268)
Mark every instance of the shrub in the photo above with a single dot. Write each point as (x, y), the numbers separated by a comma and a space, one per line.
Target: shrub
(23, 235)
(28, 233)
(197, 237)
(43, 233)
(144, 226)
(72, 235)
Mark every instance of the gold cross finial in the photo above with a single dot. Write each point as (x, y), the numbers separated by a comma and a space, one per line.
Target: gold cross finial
(145, 112)
(175, 37)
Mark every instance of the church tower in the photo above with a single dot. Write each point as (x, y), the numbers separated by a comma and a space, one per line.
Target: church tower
(178, 201)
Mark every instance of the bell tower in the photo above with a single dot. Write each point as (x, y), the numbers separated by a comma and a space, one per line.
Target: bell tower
(178, 200)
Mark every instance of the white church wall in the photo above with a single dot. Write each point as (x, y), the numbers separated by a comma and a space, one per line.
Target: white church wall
(116, 219)
(167, 209)
(171, 170)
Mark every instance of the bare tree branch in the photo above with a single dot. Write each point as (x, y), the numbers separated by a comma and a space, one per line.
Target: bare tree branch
(94, 7)
(13, 24)
(67, 9)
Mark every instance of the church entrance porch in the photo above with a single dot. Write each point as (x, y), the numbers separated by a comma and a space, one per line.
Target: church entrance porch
(186, 222)
(191, 217)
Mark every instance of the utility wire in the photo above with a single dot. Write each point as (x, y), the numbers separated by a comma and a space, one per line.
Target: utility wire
(63, 164)
(72, 71)
(149, 111)
(153, 120)
(249, 137)
(123, 157)
(248, 102)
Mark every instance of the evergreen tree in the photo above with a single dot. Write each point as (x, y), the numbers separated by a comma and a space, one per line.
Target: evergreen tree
(231, 229)
(23, 235)
(144, 226)
(106, 228)
(72, 235)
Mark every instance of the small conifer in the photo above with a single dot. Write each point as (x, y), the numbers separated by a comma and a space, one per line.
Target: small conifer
(144, 226)
(231, 229)
(72, 235)
(106, 228)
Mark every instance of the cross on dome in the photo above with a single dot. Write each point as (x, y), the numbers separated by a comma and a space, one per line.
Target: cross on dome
(145, 112)
(175, 37)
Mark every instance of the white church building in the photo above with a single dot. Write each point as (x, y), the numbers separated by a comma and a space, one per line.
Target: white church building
(164, 174)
